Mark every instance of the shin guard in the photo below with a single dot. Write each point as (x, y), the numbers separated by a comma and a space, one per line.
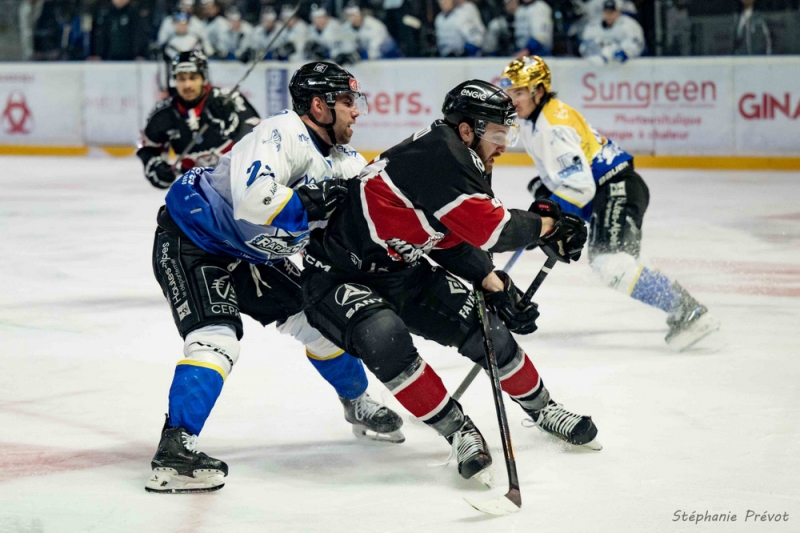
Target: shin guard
(420, 390)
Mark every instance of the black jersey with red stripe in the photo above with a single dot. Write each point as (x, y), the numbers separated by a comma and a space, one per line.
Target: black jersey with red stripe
(427, 195)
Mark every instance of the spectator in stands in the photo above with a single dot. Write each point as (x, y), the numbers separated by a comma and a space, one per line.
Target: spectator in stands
(458, 32)
(262, 35)
(374, 41)
(327, 39)
(183, 40)
(293, 40)
(235, 37)
(119, 33)
(403, 25)
(48, 32)
(216, 24)
(751, 33)
(534, 28)
(501, 33)
(29, 11)
(168, 26)
(615, 39)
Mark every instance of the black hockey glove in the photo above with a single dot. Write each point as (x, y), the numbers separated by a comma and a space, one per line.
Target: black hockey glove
(225, 111)
(538, 189)
(508, 305)
(160, 174)
(321, 199)
(567, 239)
(545, 208)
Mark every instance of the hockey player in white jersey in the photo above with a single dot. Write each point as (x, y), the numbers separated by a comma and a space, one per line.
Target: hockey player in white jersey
(534, 28)
(329, 39)
(374, 41)
(458, 32)
(222, 248)
(614, 39)
(196, 27)
(590, 176)
(232, 35)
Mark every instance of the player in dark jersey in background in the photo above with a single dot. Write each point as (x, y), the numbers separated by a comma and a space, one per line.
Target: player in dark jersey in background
(175, 122)
(367, 286)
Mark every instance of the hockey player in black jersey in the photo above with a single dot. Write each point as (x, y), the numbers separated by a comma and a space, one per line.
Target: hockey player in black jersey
(367, 286)
(175, 122)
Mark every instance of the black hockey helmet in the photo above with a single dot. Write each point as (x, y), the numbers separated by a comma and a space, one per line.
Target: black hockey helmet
(191, 61)
(327, 80)
(478, 103)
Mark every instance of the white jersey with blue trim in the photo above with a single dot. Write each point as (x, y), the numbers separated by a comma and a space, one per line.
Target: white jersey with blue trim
(572, 158)
(246, 207)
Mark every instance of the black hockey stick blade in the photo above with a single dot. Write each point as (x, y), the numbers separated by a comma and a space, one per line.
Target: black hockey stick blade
(504, 505)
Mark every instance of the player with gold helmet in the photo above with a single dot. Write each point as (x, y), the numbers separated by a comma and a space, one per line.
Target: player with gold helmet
(590, 176)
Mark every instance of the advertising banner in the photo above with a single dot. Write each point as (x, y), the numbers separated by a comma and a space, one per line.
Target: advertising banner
(41, 105)
(766, 108)
(111, 104)
(664, 106)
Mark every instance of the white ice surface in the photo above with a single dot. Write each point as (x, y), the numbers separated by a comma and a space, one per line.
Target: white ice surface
(88, 350)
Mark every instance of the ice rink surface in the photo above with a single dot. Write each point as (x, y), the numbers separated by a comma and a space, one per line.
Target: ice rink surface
(89, 348)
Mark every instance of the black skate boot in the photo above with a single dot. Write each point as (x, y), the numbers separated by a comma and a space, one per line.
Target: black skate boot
(373, 421)
(471, 452)
(689, 322)
(179, 468)
(574, 429)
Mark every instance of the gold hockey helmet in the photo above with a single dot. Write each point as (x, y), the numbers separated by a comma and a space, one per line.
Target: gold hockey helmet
(527, 71)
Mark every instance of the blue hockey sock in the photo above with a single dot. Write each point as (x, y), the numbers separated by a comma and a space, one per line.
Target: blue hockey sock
(344, 372)
(194, 391)
(655, 289)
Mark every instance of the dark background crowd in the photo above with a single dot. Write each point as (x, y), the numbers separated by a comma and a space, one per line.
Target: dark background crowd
(128, 29)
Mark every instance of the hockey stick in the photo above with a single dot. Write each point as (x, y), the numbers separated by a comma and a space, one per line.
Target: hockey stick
(512, 500)
(526, 298)
(228, 97)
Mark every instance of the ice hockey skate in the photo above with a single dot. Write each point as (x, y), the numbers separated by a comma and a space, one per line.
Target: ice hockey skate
(689, 323)
(373, 421)
(575, 429)
(471, 452)
(179, 468)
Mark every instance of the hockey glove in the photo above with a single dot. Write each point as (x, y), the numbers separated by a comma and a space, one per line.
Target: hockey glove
(519, 318)
(321, 199)
(565, 242)
(224, 113)
(159, 173)
(545, 208)
(538, 189)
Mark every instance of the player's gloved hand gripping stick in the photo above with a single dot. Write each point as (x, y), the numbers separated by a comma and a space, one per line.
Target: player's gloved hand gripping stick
(534, 286)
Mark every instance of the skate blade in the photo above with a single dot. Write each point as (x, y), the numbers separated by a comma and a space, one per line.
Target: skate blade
(594, 445)
(705, 326)
(504, 505)
(364, 433)
(485, 477)
(167, 481)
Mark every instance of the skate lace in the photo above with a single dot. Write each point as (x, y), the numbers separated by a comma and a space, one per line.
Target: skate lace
(190, 442)
(465, 444)
(366, 408)
(555, 418)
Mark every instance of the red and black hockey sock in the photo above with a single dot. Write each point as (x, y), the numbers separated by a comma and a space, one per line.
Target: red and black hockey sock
(520, 380)
(423, 394)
